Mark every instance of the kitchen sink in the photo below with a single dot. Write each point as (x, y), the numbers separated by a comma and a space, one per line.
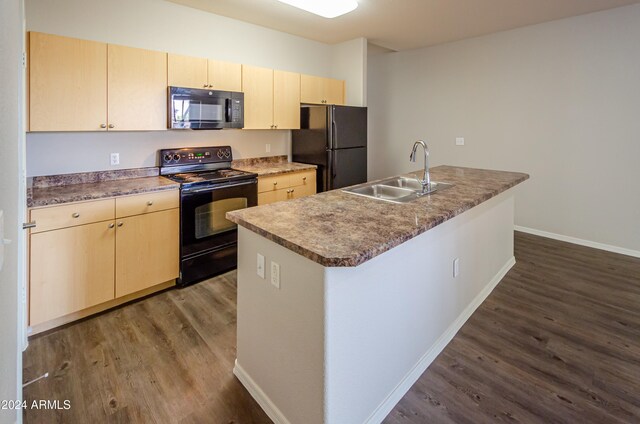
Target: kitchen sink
(396, 189)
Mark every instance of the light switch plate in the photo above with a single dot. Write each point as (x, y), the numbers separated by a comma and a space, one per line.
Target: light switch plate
(459, 141)
(275, 274)
(268, 148)
(260, 266)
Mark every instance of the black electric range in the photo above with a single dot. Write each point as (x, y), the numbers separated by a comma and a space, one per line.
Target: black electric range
(209, 188)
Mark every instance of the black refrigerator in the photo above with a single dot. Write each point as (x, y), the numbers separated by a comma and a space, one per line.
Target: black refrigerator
(335, 139)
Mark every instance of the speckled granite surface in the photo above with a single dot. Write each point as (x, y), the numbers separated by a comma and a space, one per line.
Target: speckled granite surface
(337, 229)
(67, 188)
(272, 165)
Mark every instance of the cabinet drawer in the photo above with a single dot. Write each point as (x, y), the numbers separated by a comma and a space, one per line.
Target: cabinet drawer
(147, 202)
(273, 183)
(302, 191)
(303, 178)
(55, 217)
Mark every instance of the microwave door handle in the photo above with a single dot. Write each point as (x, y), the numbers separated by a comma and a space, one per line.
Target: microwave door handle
(228, 110)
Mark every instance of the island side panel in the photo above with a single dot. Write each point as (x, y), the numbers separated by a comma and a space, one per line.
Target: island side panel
(280, 340)
(387, 319)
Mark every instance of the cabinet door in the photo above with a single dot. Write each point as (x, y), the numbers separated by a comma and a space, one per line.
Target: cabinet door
(302, 191)
(147, 250)
(274, 196)
(311, 89)
(225, 76)
(70, 270)
(186, 71)
(286, 100)
(137, 89)
(334, 91)
(67, 84)
(257, 84)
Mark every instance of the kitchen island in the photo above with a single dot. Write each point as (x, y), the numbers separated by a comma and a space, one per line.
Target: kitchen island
(364, 293)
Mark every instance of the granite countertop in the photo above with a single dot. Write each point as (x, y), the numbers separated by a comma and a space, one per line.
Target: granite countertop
(67, 188)
(315, 226)
(270, 165)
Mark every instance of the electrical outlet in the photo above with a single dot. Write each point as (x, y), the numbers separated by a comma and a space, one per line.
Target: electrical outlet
(459, 141)
(456, 267)
(268, 148)
(260, 267)
(275, 274)
(115, 159)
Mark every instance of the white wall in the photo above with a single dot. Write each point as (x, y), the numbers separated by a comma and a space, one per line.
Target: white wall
(559, 101)
(11, 36)
(349, 62)
(164, 26)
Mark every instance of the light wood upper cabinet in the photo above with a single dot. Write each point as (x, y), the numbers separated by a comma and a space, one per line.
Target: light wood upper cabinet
(319, 90)
(67, 84)
(257, 84)
(186, 71)
(147, 250)
(271, 98)
(197, 72)
(286, 100)
(78, 85)
(225, 76)
(70, 269)
(137, 82)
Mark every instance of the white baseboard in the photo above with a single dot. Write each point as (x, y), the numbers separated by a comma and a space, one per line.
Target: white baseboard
(412, 376)
(581, 242)
(256, 392)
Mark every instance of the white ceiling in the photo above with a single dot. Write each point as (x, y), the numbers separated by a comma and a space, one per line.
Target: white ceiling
(404, 24)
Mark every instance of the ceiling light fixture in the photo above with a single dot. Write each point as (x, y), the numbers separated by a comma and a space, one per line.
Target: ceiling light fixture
(324, 8)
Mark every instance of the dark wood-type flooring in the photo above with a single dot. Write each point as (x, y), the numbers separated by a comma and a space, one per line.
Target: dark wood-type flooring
(558, 341)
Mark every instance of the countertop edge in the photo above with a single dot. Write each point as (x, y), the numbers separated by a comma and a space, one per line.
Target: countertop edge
(359, 259)
(93, 196)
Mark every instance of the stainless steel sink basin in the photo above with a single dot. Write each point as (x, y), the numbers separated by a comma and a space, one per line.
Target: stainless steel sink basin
(396, 189)
(383, 192)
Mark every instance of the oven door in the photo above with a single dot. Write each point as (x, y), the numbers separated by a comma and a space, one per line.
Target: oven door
(199, 109)
(203, 223)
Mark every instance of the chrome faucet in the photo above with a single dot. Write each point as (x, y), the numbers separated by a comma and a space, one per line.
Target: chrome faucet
(426, 179)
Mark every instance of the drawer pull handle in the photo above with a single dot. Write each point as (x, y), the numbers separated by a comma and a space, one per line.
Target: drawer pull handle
(112, 225)
(76, 215)
(150, 203)
(28, 225)
(120, 224)
(304, 178)
(275, 183)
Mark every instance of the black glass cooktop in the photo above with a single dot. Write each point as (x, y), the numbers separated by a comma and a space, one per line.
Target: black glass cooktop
(204, 177)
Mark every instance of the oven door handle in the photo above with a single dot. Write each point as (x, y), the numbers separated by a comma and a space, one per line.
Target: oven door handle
(219, 187)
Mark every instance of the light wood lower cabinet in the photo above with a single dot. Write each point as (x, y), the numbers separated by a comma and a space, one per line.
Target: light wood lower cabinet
(147, 250)
(71, 269)
(91, 253)
(288, 186)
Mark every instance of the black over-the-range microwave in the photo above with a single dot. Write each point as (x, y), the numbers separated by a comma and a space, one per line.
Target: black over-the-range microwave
(198, 109)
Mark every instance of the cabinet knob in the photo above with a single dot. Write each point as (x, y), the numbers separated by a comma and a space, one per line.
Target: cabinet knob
(111, 126)
(120, 224)
(276, 127)
(103, 125)
(75, 215)
(205, 86)
(292, 190)
(304, 178)
(112, 225)
(150, 203)
(275, 183)
(210, 85)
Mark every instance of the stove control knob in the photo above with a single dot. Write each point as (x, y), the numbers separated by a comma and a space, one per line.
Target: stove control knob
(168, 157)
(220, 154)
(227, 153)
(176, 157)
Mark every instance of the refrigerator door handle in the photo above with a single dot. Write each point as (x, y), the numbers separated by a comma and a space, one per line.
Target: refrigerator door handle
(329, 171)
